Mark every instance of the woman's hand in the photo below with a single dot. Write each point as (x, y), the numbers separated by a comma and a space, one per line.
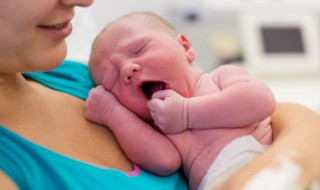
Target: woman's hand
(296, 131)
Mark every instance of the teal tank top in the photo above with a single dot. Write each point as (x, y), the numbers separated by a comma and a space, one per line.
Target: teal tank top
(33, 167)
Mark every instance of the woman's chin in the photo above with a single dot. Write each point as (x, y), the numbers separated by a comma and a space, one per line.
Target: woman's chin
(55, 59)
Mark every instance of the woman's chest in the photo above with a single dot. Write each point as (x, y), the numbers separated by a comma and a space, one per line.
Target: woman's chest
(56, 121)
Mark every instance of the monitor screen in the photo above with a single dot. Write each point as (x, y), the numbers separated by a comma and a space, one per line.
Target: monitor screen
(281, 43)
(282, 40)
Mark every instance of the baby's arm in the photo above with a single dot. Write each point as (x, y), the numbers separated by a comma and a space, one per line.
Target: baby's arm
(242, 100)
(143, 145)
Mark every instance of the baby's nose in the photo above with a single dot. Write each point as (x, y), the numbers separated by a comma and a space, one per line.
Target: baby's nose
(128, 71)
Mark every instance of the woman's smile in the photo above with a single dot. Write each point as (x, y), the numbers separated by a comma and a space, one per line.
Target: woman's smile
(61, 30)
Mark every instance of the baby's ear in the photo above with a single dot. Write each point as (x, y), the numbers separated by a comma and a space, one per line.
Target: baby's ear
(190, 53)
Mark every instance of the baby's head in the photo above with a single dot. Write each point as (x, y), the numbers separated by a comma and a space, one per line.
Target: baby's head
(143, 20)
(139, 54)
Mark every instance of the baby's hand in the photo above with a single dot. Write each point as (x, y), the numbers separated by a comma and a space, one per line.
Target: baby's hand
(100, 105)
(169, 111)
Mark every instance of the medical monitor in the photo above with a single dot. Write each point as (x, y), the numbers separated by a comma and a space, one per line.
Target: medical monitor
(279, 43)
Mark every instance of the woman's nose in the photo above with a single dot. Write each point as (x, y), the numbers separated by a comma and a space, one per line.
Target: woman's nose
(128, 71)
(80, 3)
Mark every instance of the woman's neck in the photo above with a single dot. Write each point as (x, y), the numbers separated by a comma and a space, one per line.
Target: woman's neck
(10, 83)
(18, 100)
(14, 89)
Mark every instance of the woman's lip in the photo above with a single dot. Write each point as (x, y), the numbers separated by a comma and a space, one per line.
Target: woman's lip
(62, 30)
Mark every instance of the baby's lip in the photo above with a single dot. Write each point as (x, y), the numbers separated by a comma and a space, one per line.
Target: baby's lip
(150, 87)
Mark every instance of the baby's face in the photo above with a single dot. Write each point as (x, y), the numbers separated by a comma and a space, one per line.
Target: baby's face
(138, 61)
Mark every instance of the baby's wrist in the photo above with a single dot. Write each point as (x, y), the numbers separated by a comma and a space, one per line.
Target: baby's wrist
(112, 114)
(185, 113)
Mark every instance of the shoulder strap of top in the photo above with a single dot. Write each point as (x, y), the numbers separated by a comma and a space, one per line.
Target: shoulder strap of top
(70, 77)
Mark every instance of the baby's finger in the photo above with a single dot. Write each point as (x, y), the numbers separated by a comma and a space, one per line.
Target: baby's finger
(162, 94)
(91, 91)
(100, 88)
(154, 104)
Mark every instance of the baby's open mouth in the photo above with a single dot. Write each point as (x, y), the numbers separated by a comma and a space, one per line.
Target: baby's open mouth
(149, 88)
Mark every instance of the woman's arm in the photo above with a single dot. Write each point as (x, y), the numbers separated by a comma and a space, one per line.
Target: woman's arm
(296, 131)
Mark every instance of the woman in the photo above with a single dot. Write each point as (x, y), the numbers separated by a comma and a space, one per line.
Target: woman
(45, 141)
